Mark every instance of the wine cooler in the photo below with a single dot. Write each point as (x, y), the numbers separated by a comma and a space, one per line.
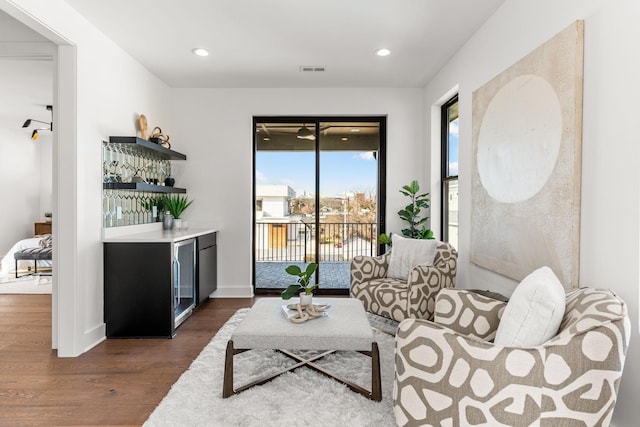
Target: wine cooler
(184, 279)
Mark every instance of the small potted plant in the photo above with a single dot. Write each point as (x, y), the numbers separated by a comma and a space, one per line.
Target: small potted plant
(175, 205)
(302, 286)
(48, 216)
(158, 202)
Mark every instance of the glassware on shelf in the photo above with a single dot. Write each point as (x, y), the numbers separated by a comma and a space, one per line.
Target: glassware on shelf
(120, 163)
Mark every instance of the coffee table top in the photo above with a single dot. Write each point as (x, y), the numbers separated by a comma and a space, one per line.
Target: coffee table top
(265, 327)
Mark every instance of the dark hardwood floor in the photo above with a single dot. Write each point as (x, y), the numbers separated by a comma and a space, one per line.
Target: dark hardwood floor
(117, 383)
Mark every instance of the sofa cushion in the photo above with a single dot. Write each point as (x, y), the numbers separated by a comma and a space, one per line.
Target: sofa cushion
(534, 311)
(407, 253)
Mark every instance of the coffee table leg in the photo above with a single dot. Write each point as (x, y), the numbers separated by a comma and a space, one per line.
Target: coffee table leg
(376, 384)
(227, 385)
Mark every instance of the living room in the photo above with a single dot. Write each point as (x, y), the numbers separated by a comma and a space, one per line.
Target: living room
(102, 89)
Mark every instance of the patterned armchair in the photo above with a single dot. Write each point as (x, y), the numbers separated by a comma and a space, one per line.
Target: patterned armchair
(399, 300)
(449, 375)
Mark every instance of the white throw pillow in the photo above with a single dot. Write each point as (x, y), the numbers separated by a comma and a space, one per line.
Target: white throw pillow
(534, 311)
(407, 253)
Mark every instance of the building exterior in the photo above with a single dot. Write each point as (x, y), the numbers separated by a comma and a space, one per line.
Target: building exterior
(273, 201)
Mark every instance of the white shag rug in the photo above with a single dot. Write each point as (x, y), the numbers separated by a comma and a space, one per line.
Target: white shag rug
(25, 284)
(299, 398)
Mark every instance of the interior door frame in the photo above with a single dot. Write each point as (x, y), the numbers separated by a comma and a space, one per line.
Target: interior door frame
(381, 192)
(68, 332)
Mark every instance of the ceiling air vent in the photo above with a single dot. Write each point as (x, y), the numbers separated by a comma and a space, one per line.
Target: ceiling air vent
(311, 68)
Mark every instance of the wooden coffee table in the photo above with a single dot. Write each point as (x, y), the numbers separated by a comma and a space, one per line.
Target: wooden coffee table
(346, 328)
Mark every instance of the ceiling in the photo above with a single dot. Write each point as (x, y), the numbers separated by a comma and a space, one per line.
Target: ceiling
(263, 43)
(12, 31)
(333, 136)
(19, 42)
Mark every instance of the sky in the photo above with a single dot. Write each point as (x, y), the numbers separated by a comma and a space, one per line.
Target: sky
(453, 147)
(340, 171)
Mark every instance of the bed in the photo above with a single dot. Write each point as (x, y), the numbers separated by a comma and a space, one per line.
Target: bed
(8, 263)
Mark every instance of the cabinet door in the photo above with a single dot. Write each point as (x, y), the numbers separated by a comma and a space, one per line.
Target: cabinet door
(137, 290)
(207, 272)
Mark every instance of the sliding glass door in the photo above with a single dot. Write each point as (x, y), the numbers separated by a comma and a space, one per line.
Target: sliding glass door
(317, 192)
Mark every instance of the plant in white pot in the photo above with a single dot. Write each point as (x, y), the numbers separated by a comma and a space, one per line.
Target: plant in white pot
(175, 205)
(302, 286)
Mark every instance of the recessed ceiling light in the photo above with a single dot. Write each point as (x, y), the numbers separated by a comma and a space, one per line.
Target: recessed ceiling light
(344, 138)
(383, 52)
(200, 51)
(355, 130)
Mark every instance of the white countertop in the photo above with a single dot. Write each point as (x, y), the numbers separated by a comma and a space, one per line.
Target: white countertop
(159, 236)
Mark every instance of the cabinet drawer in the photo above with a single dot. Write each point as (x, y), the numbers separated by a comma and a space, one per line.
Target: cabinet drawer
(40, 228)
(206, 241)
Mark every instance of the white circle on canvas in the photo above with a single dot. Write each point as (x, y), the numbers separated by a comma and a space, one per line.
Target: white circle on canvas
(519, 139)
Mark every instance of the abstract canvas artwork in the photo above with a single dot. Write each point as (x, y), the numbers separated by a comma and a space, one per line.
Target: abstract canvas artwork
(527, 137)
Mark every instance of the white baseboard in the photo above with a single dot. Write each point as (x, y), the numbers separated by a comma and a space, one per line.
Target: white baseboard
(232, 292)
(95, 336)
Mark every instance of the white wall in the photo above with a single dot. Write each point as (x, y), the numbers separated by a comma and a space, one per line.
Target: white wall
(214, 128)
(111, 89)
(25, 165)
(45, 160)
(275, 200)
(274, 206)
(609, 250)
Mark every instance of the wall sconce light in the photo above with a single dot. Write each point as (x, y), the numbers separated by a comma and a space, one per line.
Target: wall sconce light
(34, 134)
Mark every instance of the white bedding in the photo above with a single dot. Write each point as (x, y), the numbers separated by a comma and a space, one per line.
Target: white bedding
(9, 263)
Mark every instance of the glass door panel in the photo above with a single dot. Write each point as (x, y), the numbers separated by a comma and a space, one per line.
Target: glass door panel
(184, 279)
(285, 187)
(348, 191)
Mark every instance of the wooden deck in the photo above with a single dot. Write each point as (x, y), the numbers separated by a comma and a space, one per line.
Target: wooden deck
(117, 383)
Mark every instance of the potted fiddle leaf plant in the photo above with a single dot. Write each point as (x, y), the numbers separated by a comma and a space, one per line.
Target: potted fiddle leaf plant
(302, 285)
(412, 214)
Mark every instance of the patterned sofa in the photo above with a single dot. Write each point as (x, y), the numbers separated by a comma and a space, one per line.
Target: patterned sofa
(447, 373)
(399, 300)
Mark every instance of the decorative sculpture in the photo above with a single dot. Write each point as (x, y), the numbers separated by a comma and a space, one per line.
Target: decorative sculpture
(159, 138)
(142, 126)
(309, 312)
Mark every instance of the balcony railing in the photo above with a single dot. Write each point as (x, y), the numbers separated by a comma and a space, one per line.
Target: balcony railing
(296, 242)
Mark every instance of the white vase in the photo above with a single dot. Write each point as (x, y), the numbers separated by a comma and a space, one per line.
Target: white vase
(306, 298)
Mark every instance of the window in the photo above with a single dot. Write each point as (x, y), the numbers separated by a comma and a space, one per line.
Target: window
(449, 140)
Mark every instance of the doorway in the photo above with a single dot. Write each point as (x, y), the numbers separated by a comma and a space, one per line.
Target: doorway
(318, 186)
(65, 310)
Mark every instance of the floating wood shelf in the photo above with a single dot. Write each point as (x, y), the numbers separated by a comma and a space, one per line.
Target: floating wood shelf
(142, 186)
(165, 153)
